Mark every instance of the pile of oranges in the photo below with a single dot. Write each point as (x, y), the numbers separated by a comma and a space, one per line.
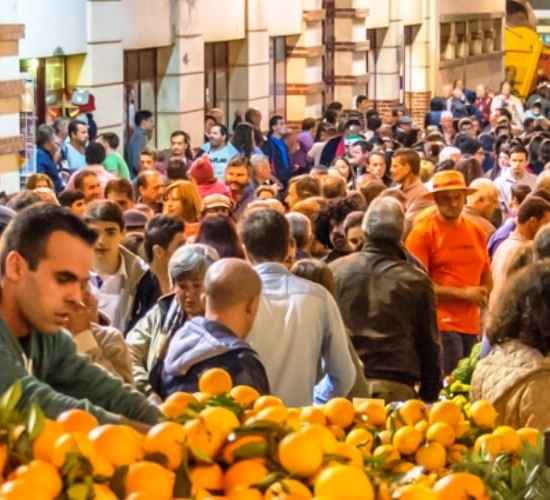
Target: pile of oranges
(231, 443)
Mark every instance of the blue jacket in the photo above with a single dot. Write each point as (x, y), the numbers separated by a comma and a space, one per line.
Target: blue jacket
(46, 165)
(280, 165)
(135, 146)
(202, 344)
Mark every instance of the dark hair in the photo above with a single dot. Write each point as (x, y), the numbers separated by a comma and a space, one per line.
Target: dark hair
(273, 121)
(333, 187)
(336, 106)
(188, 153)
(73, 127)
(44, 134)
(308, 124)
(372, 190)
(519, 149)
(177, 170)
(111, 138)
(220, 233)
(250, 114)
(120, 186)
(470, 169)
(223, 129)
(315, 271)
(544, 151)
(81, 175)
(23, 200)
(95, 153)
(331, 116)
(141, 116)
(242, 139)
(505, 112)
(352, 220)
(520, 192)
(30, 230)
(523, 311)
(104, 211)
(360, 99)
(143, 176)
(266, 235)
(365, 146)
(334, 213)
(410, 157)
(160, 230)
(306, 186)
(68, 197)
(59, 123)
(240, 161)
(532, 206)
(542, 242)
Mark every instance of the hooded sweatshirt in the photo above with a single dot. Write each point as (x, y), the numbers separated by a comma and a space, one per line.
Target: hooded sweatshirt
(202, 344)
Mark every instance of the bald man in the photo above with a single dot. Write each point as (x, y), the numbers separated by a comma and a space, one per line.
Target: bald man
(480, 206)
(217, 340)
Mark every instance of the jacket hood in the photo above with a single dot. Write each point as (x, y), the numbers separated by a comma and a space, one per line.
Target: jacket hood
(135, 267)
(506, 367)
(198, 340)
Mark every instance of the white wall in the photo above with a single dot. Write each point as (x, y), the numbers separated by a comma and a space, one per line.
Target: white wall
(284, 17)
(52, 25)
(447, 7)
(222, 20)
(146, 23)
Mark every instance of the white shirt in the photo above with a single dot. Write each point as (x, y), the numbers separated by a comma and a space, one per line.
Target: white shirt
(504, 183)
(107, 288)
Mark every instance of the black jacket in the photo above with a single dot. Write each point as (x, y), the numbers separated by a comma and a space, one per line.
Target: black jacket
(387, 303)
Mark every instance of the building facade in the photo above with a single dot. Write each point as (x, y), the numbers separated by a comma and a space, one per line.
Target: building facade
(180, 58)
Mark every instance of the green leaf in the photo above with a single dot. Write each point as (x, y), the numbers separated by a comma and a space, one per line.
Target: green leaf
(79, 492)
(269, 480)
(158, 458)
(250, 450)
(182, 486)
(36, 421)
(11, 397)
(118, 481)
(201, 456)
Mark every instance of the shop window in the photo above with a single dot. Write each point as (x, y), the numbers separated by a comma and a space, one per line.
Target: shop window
(140, 86)
(329, 40)
(216, 77)
(277, 76)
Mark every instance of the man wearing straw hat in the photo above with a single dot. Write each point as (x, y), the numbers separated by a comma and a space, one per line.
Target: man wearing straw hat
(452, 248)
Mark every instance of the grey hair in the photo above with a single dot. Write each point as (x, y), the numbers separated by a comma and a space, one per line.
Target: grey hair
(195, 258)
(300, 228)
(257, 159)
(384, 220)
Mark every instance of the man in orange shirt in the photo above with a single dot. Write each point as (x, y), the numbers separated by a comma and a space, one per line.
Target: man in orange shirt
(453, 249)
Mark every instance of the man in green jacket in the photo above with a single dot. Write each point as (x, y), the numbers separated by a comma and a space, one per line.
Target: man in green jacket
(45, 261)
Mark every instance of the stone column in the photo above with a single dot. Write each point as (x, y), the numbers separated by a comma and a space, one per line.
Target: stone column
(351, 46)
(11, 90)
(181, 88)
(249, 65)
(305, 66)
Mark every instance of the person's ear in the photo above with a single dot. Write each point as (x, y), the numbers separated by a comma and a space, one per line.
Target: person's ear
(15, 267)
(158, 252)
(203, 300)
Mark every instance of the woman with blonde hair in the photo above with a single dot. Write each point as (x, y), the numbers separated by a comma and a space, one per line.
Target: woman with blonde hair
(182, 201)
(35, 181)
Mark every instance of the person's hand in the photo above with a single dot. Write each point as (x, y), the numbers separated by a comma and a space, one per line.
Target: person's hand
(477, 294)
(80, 319)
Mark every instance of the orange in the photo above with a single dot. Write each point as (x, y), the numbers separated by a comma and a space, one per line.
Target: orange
(176, 404)
(167, 438)
(244, 395)
(265, 401)
(422, 426)
(488, 444)
(412, 411)
(483, 414)
(42, 476)
(43, 445)
(362, 439)
(445, 411)
(350, 453)
(322, 436)
(202, 397)
(385, 437)
(529, 435)
(431, 456)
(202, 440)
(339, 433)
(77, 421)
(118, 444)
(373, 409)
(509, 439)
(456, 453)
(340, 412)
(343, 481)
(244, 474)
(300, 454)
(388, 453)
(407, 440)
(312, 415)
(441, 433)
(103, 492)
(277, 414)
(229, 450)
(150, 478)
(288, 489)
(141, 496)
(215, 381)
(244, 494)
(461, 486)
(462, 428)
(402, 467)
(220, 419)
(3, 459)
(415, 492)
(208, 477)
(18, 489)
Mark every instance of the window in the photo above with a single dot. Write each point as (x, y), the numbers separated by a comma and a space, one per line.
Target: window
(216, 77)
(277, 76)
(328, 59)
(140, 86)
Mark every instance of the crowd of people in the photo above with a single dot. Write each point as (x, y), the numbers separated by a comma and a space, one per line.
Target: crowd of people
(361, 256)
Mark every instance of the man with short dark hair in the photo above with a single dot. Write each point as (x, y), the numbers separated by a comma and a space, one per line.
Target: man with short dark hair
(359, 156)
(219, 150)
(150, 187)
(237, 179)
(76, 147)
(88, 182)
(124, 285)
(121, 192)
(302, 187)
(398, 351)
(73, 200)
(144, 125)
(46, 152)
(276, 150)
(45, 261)
(114, 163)
(298, 328)
(163, 236)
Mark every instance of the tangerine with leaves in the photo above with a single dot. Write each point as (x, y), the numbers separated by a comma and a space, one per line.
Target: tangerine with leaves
(300, 454)
(150, 478)
(340, 412)
(42, 446)
(244, 474)
(168, 439)
(215, 381)
(42, 476)
(176, 404)
(118, 444)
(244, 395)
(76, 420)
(343, 481)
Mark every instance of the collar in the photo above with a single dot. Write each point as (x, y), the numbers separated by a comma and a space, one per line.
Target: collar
(271, 268)
(414, 185)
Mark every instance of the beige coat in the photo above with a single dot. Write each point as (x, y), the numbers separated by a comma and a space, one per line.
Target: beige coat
(516, 379)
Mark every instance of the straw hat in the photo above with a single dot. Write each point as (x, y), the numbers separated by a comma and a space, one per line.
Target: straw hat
(449, 180)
